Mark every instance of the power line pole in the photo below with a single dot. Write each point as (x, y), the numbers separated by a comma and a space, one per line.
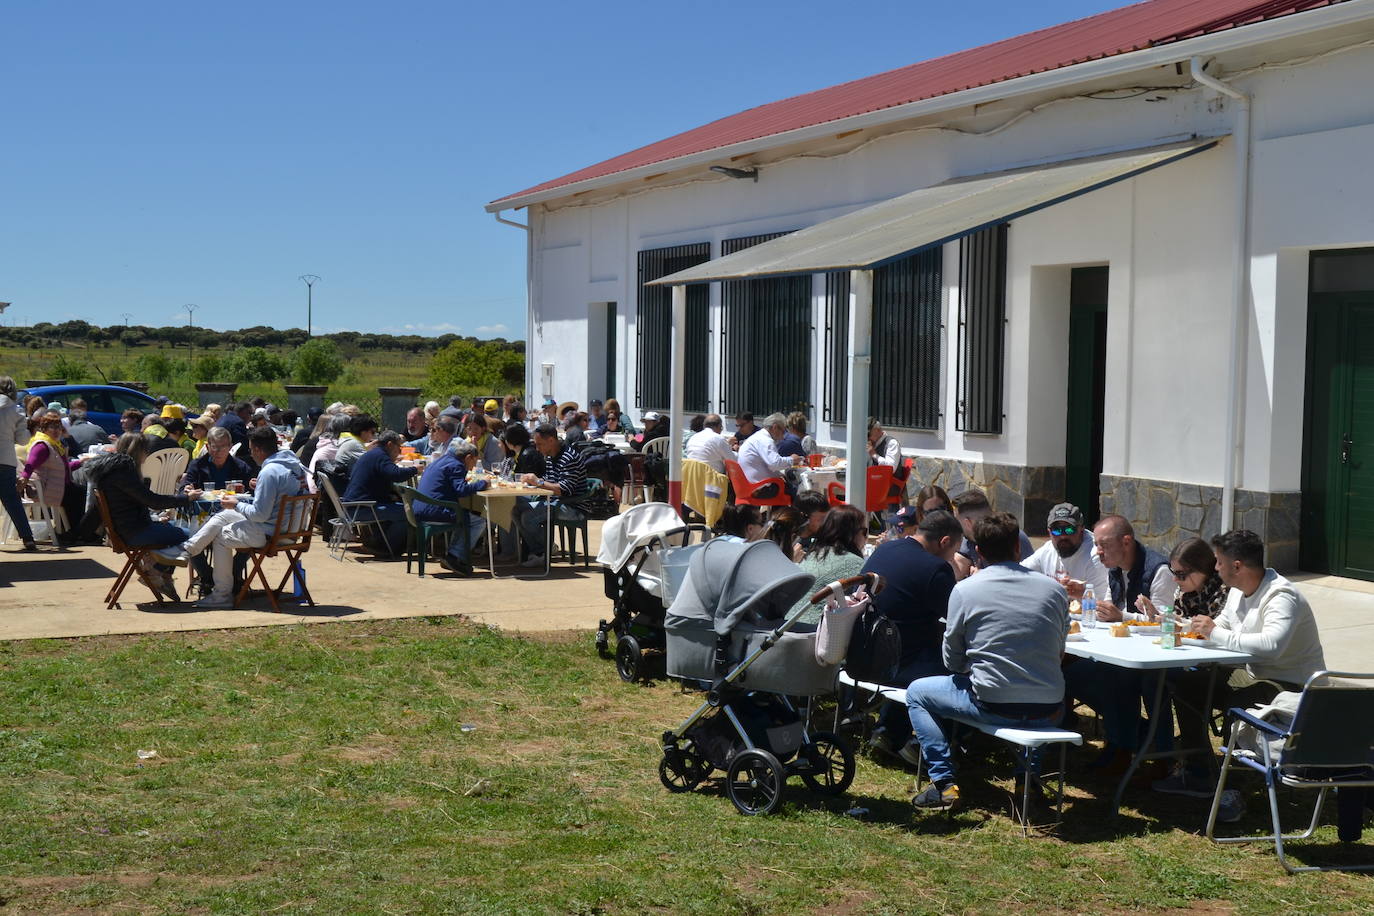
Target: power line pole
(309, 280)
(126, 316)
(191, 328)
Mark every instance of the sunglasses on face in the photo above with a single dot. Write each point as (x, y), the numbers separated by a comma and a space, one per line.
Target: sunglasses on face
(1062, 530)
(1180, 573)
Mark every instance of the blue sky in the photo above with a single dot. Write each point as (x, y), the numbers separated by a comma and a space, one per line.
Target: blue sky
(160, 153)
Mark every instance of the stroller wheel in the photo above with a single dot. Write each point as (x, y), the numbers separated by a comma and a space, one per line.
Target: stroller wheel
(831, 762)
(628, 659)
(684, 775)
(754, 781)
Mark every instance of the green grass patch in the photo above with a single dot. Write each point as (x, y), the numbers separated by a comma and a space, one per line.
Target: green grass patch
(325, 769)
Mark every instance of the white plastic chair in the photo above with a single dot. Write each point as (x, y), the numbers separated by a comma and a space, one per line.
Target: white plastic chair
(164, 469)
(37, 510)
(657, 446)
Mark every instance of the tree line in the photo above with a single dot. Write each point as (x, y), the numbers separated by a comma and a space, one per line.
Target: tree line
(350, 343)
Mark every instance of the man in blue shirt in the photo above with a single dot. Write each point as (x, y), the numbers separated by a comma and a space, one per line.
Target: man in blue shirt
(919, 580)
(446, 479)
(372, 479)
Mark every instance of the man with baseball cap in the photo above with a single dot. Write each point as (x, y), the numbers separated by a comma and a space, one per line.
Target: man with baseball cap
(596, 412)
(1070, 548)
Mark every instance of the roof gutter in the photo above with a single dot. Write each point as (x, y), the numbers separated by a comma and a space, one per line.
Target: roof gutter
(1240, 289)
(1296, 24)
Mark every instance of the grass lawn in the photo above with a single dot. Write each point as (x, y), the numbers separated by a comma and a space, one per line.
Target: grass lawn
(326, 769)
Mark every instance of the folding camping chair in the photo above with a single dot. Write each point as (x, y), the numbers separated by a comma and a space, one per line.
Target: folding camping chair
(1328, 745)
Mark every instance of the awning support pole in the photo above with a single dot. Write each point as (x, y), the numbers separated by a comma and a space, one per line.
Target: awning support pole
(860, 359)
(677, 395)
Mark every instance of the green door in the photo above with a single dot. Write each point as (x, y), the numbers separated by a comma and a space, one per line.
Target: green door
(1338, 466)
(1087, 380)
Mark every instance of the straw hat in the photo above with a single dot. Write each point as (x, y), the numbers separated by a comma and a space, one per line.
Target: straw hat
(567, 406)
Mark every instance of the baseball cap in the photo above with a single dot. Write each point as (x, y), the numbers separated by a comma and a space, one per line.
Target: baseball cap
(549, 402)
(595, 402)
(1065, 512)
(203, 420)
(904, 517)
(653, 415)
(490, 404)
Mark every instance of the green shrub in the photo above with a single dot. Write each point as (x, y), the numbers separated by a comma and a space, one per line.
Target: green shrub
(254, 364)
(317, 362)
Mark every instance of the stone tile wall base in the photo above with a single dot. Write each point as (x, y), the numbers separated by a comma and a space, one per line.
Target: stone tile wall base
(1164, 512)
(1026, 492)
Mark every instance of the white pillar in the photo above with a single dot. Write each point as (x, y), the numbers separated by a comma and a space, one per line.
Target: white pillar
(860, 359)
(677, 395)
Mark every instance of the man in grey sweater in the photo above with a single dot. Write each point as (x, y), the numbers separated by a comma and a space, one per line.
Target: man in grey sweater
(1004, 639)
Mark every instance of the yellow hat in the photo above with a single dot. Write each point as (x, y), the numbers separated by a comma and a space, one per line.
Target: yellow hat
(173, 411)
(491, 404)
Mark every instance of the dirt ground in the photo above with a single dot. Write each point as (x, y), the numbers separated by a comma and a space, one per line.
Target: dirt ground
(57, 593)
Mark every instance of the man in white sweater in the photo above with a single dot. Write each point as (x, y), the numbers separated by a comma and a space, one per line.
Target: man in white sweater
(1266, 617)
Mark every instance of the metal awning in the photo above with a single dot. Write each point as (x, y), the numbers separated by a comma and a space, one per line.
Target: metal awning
(931, 216)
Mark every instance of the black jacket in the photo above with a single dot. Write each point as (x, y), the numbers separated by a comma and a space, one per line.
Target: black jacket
(126, 492)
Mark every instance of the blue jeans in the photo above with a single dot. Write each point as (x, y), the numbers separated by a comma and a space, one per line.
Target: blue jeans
(932, 699)
(9, 497)
(458, 546)
(157, 534)
(893, 719)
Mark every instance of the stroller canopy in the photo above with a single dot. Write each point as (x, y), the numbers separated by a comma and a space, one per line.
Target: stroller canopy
(622, 533)
(730, 580)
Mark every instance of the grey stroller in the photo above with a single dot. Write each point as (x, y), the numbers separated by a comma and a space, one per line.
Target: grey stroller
(726, 632)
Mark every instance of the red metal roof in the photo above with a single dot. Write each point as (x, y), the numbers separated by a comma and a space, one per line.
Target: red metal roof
(1119, 31)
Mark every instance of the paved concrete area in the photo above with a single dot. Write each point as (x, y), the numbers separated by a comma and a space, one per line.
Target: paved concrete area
(58, 594)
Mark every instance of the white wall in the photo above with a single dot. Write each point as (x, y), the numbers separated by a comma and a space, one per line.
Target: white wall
(1166, 237)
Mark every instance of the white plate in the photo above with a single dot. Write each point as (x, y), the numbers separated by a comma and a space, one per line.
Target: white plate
(1145, 631)
(1076, 637)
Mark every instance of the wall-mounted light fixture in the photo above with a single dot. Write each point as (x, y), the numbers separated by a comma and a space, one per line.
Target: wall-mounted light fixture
(736, 173)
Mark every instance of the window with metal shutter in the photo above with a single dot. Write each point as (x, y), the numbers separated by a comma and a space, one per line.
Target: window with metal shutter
(908, 334)
(654, 328)
(982, 326)
(765, 340)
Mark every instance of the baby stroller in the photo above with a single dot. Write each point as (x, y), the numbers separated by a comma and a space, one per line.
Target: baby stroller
(641, 566)
(726, 632)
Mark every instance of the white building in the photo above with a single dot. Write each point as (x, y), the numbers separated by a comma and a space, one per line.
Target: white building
(1193, 338)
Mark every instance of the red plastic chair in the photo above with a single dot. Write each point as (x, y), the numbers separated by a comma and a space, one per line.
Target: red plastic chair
(744, 490)
(879, 479)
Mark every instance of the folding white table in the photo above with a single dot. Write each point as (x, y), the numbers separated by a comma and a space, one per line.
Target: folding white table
(1139, 651)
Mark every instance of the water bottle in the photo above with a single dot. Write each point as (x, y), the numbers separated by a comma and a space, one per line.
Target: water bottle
(1089, 603)
(480, 469)
(1167, 640)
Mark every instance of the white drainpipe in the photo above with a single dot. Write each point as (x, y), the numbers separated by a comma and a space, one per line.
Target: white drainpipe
(529, 301)
(1240, 288)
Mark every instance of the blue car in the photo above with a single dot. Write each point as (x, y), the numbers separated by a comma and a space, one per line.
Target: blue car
(104, 403)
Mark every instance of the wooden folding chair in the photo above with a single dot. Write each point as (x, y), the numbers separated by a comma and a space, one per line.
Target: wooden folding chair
(290, 538)
(133, 562)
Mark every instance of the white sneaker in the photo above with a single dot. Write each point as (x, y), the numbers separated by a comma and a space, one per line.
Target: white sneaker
(173, 555)
(533, 561)
(214, 602)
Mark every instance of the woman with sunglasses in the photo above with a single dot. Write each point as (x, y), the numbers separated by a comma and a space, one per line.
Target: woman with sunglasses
(1199, 589)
